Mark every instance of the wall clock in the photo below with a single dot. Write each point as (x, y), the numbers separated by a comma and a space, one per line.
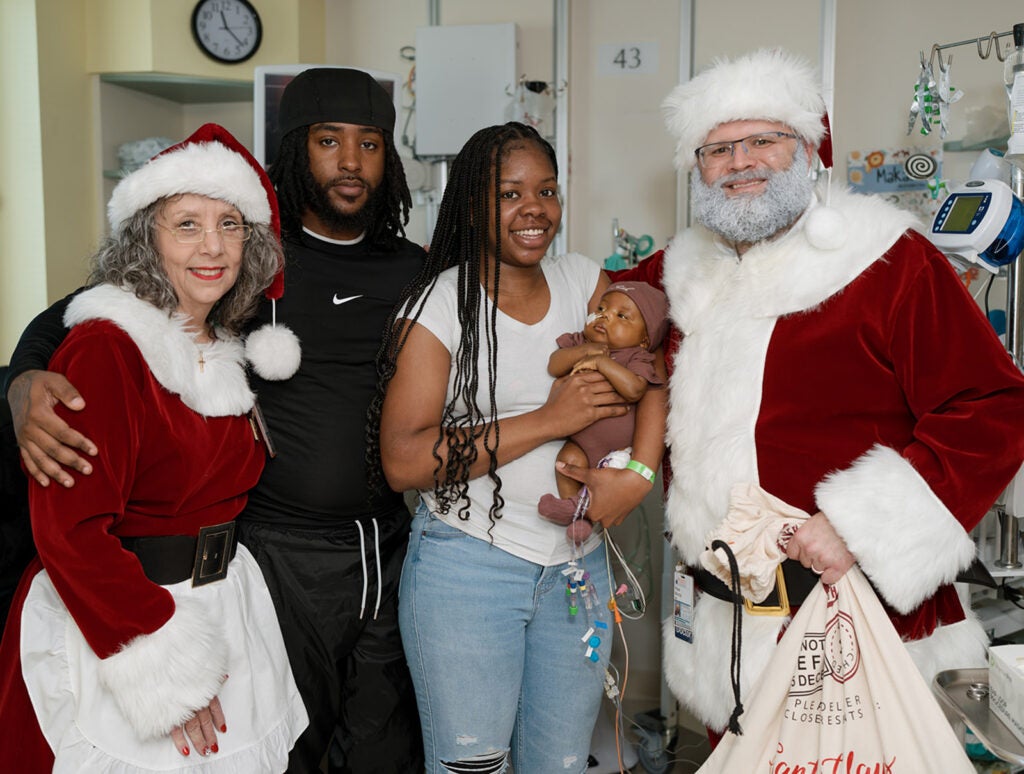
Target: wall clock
(227, 30)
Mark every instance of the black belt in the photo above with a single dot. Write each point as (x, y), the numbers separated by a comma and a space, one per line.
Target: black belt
(171, 559)
(799, 582)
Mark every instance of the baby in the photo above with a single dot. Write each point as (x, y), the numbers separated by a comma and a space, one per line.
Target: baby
(618, 341)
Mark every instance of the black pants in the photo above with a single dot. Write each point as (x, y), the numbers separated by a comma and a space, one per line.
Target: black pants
(16, 546)
(350, 670)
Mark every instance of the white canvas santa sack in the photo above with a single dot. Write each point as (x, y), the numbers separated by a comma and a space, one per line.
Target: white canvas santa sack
(841, 695)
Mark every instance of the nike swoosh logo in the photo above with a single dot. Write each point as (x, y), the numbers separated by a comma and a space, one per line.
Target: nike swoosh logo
(339, 301)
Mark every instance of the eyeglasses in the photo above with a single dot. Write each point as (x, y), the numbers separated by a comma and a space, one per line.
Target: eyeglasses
(193, 235)
(760, 146)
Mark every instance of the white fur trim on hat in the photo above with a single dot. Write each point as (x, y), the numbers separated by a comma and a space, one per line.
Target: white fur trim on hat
(764, 85)
(159, 680)
(208, 168)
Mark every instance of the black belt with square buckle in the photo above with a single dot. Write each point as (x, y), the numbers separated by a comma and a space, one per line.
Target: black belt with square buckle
(168, 559)
(797, 582)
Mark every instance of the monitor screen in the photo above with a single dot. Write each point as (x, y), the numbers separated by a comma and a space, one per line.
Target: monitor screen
(269, 82)
(962, 212)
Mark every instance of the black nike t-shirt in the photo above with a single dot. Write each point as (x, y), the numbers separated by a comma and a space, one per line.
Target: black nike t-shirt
(336, 299)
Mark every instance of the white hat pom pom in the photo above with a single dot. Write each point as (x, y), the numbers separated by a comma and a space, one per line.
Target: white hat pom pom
(825, 228)
(274, 352)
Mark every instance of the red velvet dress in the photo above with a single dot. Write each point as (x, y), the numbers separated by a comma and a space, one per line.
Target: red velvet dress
(124, 654)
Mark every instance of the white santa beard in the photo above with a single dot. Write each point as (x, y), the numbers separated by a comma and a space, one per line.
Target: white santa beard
(751, 219)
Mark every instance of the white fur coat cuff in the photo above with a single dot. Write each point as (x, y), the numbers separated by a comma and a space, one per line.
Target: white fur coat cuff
(904, 538)
(159, 680)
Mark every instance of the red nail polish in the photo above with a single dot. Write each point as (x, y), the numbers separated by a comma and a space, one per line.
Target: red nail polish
(184, 751)
(224, 729)
(215, 748)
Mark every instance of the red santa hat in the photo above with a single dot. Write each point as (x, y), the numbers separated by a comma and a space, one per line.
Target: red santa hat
(211, 162)
(763, 85)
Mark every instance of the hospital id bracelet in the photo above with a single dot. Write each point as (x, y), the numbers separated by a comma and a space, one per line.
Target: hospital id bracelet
(643, 470)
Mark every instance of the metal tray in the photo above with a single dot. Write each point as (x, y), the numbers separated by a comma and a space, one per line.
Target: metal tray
(954, 687)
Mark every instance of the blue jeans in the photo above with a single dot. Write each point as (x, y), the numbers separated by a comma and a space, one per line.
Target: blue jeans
(497, 660)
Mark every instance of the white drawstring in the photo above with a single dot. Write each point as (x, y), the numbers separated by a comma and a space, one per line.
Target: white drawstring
(376, 549)
(362, 553)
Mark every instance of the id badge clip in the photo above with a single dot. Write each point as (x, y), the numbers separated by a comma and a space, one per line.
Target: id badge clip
(260, 429)
(682, 603)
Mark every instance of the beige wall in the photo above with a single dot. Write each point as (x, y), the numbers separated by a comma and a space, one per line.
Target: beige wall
(59, 129)
(394, 24)
(48, 178)
(22, 240)
(620, 155)
(877, 65)
(65, 99)
(155, 35)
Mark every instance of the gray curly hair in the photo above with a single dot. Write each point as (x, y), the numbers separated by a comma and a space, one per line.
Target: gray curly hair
(130, 260)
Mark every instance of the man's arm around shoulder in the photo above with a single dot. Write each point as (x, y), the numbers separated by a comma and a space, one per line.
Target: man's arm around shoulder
(47, 443)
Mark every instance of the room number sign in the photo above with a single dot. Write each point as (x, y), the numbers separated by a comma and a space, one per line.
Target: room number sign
(627, 58)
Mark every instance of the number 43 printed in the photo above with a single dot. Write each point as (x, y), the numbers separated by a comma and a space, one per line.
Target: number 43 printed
(628, 58)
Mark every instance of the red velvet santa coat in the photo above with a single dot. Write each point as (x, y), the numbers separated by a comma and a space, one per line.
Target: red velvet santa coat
(861, 381)
(176, 453)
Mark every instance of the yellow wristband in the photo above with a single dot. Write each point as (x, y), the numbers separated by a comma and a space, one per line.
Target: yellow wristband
(643, 470)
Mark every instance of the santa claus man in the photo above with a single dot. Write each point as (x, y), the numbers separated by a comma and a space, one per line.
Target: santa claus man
(829, 354)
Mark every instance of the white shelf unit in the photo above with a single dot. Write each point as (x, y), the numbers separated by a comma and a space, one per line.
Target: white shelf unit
(134, 106)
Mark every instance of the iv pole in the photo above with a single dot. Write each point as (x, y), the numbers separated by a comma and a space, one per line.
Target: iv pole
(1008, 524)
(1014, 290)
(1009, 530)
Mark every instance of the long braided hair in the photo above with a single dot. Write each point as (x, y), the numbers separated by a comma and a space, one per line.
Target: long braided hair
(470, 208)
(296, 187)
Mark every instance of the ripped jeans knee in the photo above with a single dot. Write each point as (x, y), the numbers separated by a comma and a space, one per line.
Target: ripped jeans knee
(487, 763)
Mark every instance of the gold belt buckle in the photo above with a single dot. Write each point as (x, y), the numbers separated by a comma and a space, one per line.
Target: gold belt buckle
(778, 610)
